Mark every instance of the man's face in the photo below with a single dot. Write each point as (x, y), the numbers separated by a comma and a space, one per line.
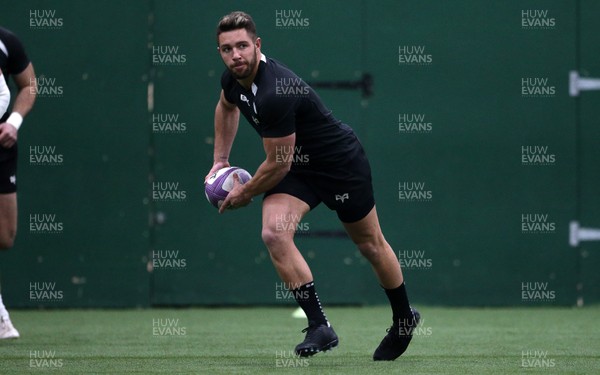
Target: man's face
(239, 52)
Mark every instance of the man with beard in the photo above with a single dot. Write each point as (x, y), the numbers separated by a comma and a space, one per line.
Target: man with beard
(311, 157)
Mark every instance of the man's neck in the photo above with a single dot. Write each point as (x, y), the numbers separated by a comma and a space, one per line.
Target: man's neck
(247, 82)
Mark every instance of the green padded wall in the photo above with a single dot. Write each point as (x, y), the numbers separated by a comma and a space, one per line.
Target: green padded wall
(471, 160)
(87, 198)
(480, 157)
(589, 152)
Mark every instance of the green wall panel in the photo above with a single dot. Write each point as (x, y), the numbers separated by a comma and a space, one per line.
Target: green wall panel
(470, 161)
(134, 126)
(589, 133)
(89, 118)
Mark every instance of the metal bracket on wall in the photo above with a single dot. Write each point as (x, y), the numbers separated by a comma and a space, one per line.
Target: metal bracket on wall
(578, 234)
(578, 84)
(365, 84)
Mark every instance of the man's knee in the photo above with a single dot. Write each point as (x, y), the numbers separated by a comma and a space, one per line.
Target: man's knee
(372, 247)
(273, 237)
(278, 242)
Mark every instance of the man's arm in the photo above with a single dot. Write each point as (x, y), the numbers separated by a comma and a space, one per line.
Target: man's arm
(279, 155)
(227, 118)
(24, 100)
(26, 83)
(4, 94)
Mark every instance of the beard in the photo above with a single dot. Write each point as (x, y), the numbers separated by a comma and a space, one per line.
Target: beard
(245, 73)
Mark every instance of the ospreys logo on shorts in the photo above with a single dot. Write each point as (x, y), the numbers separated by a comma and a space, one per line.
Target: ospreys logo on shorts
(342, 197)
(13, 179)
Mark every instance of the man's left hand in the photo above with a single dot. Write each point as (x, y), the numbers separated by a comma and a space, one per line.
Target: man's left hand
(236, 198)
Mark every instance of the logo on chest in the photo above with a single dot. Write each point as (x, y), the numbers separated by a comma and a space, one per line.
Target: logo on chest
(245, 99)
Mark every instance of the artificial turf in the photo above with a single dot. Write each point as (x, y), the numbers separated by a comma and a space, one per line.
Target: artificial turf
(261, 341)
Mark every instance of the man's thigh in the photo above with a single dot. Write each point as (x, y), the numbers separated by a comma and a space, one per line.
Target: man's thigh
(282, 212)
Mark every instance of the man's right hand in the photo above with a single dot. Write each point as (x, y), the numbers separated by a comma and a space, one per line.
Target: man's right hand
(218, 165)
(8, 134)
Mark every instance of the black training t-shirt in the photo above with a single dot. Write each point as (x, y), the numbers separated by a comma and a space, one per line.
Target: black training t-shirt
(279, 103)
(13, 59)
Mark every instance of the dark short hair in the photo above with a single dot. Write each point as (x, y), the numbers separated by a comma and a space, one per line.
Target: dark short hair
(234, 21)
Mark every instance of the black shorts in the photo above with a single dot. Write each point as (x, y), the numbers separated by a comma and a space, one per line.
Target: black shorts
(8, 170)
(346, 188)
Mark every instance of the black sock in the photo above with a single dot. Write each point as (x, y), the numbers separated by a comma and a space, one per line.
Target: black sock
(307, 298)
(400, 307)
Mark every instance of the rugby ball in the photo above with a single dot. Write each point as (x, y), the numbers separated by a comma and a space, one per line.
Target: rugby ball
(220, 183)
